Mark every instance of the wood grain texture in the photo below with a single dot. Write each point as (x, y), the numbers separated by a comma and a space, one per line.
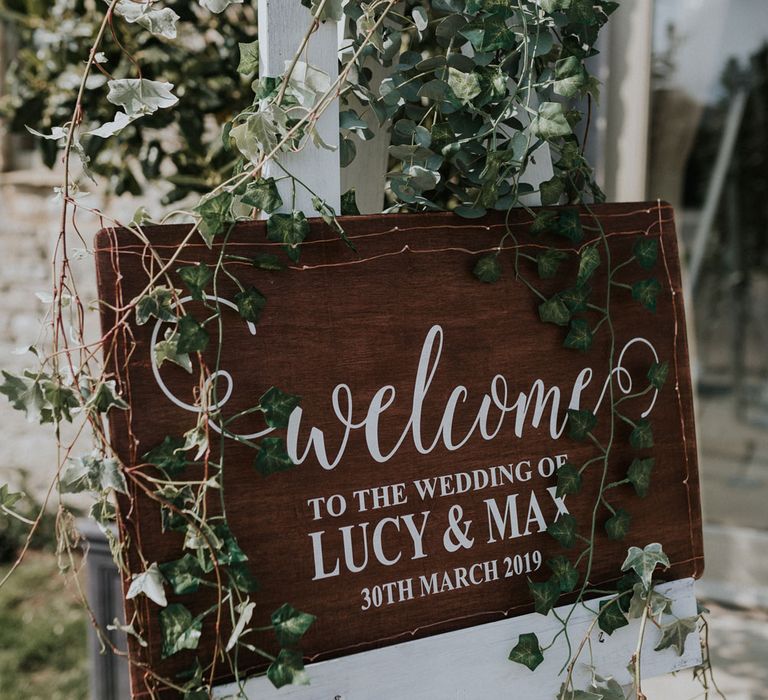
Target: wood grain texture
(360, 319)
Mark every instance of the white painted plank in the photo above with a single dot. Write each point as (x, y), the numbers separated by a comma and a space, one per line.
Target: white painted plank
(282, 26)
(472, 664)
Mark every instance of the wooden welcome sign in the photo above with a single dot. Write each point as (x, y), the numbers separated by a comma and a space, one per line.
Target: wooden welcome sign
(432, 420)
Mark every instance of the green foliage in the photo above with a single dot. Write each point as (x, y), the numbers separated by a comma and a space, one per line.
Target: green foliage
(564, 573)
(580, 423)
(617, 526)
(196, 278)
(290, 625)
(646, 292)
(288, 669)
(545, 595)
(179, 629)
(646, 252)
(657, 374)
(192, 158)
(250, 303)
(277, 407)
(488, 269)
(549, 262)
(589, 261)
(564, 530)
(579, 336)
(43, 637)
(272, 457)
(611, 617)
(168, 455)
(527, 651)
(553, 310)
(641, 436)
(289, 229)
(639, 475)
(568, 480)
(644, 562)
(158, 303)
(192, 336)
(674, 634)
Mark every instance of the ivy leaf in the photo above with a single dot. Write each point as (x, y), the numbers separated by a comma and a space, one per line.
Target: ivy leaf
(642, 599)
(290, 624)
(548, 262)
(249, 58)
(179, 630)
(140, 96)
(150, 583)
(349, 203)
(241, 577)
(246, 614)
(168, 350)
(466, 86)
(106, 397)
(196, 278)
(543, 222)
(527, 651)
(675, 633)
(184, 575)
(657, 374)
(230, 551)
(553, 310)
(575, 298)
(639, 475)
(617, 526)
(551, 191)
(568, 480)
(580, 335)
(550, 122)
(168, 455)
(272, 457)
(589, 261)
(641, 436)
(159, 22)
(263, 195)
(250, 303)
(278, 406)
(158, 303)
(564, 572)
(266, 261)
(488, 269)
(192, 336)
(215, 212)
(564, 530)
(25, 394)
(570, 77)
(611, 617)
(545, 595)
(93, 473)
(289, 229)
(646, 252)
(569, 225)
(288, 669)
(644, 562)
(646, 292)
(580, 423)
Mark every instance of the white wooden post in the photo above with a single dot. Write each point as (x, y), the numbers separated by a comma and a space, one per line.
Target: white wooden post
(468, 664)
(282, 26)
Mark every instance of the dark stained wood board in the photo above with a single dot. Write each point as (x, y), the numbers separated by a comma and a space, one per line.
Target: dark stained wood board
(361, 320)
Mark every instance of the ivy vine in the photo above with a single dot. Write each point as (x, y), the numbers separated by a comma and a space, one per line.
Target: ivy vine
(475, 92)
